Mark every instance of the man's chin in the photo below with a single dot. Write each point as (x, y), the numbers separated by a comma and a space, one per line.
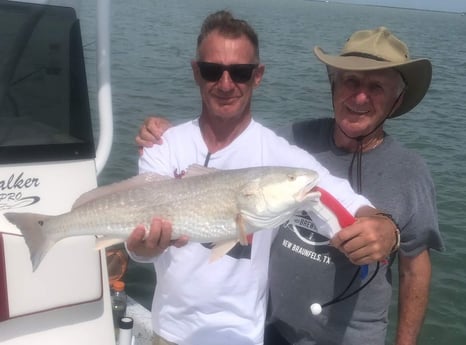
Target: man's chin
(227, 111)
(355, 128)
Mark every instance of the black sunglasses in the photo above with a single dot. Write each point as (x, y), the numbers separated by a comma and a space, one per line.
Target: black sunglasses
(239, 73)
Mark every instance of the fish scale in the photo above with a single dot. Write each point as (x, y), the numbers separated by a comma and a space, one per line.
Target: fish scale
(190, 209)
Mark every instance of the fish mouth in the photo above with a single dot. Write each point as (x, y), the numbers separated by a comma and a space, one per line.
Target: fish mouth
(309, 192)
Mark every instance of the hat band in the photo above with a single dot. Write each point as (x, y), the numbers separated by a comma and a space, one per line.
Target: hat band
(364, 55)
(376, 58)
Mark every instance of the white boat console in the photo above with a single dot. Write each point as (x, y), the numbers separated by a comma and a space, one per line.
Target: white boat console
(47, 159)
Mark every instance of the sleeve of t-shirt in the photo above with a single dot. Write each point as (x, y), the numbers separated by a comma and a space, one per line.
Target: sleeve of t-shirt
(421, 231)
(156, 159)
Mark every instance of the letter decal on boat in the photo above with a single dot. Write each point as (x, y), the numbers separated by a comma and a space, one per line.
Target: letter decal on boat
(15, 191)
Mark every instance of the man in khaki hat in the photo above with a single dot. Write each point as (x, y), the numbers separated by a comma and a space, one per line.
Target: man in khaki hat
(372, 80)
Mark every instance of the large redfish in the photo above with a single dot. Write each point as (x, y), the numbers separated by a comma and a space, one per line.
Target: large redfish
(206, 205)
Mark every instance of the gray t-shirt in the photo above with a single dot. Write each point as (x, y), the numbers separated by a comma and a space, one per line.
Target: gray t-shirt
(305, 270)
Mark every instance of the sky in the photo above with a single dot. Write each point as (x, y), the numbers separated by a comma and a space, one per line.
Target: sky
(436, 5)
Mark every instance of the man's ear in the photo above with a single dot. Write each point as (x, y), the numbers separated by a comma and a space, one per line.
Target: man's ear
(398, 102)
(258, 74)
(196, 75)
(400, 99)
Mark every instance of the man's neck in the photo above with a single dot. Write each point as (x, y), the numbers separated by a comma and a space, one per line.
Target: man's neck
(218, 133)
(348, 144)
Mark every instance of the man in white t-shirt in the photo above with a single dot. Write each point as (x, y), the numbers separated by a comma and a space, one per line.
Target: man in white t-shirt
(199, 302)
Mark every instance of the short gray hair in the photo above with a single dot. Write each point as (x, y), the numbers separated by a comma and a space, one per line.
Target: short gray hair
(227, 25)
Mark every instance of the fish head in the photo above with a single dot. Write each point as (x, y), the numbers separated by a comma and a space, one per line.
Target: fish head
(271, 199)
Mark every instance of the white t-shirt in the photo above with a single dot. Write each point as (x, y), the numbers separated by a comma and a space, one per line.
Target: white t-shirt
(222, 302)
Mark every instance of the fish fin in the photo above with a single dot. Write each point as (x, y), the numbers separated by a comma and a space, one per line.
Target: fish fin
(104, 242)
(30, 225)
(242, 236)
(220, 249)
(131, 183)
(196, 170)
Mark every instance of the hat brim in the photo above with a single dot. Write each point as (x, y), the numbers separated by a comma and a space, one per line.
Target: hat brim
(417, 74)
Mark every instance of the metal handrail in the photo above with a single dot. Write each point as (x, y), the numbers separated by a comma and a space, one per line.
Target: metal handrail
(104, 85)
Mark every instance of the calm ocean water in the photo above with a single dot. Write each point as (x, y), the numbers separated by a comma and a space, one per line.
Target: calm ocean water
(153, 42)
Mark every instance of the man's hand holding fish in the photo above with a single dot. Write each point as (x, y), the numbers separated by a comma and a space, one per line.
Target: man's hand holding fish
(154, 241)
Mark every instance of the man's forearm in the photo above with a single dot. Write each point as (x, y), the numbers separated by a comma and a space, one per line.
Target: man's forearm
(415, 275)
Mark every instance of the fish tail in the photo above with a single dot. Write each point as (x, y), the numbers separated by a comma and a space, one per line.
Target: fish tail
(30, 225)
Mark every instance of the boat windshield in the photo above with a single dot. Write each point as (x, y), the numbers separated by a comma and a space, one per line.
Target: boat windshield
(44, 104)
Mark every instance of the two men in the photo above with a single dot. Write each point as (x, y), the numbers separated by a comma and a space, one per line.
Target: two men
(197, 302)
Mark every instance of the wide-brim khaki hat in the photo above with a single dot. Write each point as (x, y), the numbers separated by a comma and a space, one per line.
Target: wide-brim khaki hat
(369, 50)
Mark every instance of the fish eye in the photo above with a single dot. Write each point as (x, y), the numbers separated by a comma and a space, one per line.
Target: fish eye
(291, 177)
